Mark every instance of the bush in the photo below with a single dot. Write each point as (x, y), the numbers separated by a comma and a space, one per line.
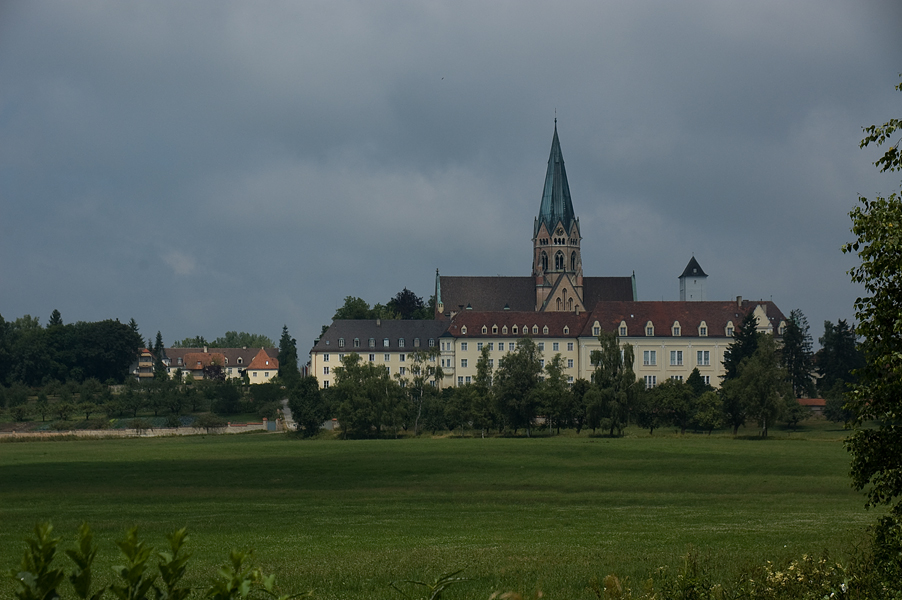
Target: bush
(37, 579)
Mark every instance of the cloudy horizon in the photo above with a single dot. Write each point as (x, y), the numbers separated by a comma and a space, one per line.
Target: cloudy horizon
(219, 166)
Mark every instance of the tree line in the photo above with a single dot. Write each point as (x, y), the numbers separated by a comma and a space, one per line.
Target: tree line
(522, 391)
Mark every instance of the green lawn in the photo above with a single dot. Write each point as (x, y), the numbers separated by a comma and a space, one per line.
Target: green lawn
(346, 517)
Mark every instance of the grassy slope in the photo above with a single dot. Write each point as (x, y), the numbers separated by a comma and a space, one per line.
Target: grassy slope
(346, 517)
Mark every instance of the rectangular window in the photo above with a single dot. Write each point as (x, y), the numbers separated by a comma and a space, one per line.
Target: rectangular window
(542, 362)
(372, 342)
(386, 357)
(431, 343)
(341, 342)
(341, 357)
(385, 343)
(400, 342)
(596, 331)
(676, 332)
(460, 381)
(479, 346)
(372, 357)
(463, 363)
(651, 381)
(325, 370)
(703, 358)
(255, 373)
(569, 346)
(649, 331)
(729, 332)
(649, 358)
(325, 384)
(467, 379)
(491, 346)
(555, 346)
(388, 369)
(707, 379)
(401, 370)
(463, 346)
(623, 332)
(541, 346)
(569, 363)
(676, 358)
(326, 357)
(402, 357)
(703, 331)
(491, 363)
(677, 377)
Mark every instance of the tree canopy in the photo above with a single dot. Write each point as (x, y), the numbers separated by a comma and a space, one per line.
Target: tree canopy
(875, 397)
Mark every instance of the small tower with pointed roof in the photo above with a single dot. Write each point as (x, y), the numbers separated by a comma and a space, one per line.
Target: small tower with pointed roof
(692, 283)
(557, 265)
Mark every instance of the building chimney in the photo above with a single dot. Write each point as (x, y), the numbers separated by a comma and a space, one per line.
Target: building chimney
(378, 322)
(205, 349)
(739, 301)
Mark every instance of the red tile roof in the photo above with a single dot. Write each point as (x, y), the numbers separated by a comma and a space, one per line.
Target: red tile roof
(263, 361)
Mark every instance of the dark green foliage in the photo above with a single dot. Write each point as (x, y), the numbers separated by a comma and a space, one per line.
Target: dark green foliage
(796, 355)
(83, 556)
(308, 406)
(210, 422)
(408, 306)
(515, 385)
(288, 359)
(365, 398)
(761, 387)
(55, 318)
(838, 357)
(835, 405)
(159, 354)
(103, 350)
(615, 387)
(36, 579)
(676, 401)
(227, 398)
(877, 227)
(745, 342)
(425, 375)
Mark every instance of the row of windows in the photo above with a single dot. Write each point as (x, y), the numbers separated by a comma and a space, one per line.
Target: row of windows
(675, 330)
(465, 362)
(385, 357)
(511, 346)
(650, 358)
(386, 342)
(515, 330)
(652, 380)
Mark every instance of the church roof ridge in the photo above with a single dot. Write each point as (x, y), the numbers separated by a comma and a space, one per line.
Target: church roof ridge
(556, 203)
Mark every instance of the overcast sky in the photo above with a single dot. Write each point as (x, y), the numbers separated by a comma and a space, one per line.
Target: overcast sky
(212, 166)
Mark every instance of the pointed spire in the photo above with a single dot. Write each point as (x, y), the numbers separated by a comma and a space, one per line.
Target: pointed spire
(556, 204)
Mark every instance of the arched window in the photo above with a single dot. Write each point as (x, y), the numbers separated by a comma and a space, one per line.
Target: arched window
(570, 304)
(559, 304)
(544, 262)
(573, 261)
(559, 261)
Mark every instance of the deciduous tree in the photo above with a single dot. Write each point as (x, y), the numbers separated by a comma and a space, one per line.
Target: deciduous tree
(515, 383)
(875, 397)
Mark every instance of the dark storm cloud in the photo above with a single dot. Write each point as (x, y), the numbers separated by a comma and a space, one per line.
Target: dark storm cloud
(221, 166)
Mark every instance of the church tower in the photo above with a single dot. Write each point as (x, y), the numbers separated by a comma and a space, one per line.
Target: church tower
(692, 282)
(557, 266)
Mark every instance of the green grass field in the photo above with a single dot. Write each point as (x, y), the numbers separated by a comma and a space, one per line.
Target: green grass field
(346, 517)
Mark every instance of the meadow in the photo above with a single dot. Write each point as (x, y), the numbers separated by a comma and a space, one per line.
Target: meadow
(345, 518)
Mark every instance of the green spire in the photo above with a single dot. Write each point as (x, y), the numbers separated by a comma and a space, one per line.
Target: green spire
(556, 204)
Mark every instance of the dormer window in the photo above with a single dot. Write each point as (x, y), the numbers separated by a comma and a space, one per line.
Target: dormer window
(566, 330)
(514, 330)
(372, 342)
(535, 329)
(623, 330)
(240, 360)
(649, 329)
(341, 342)
(463, 330)
(494, 329)
(729, 329)
(782, 328)
(596, 329)
(416, 342)
(180, 361)
(504, 329)
(545, 330)
(485, 330)
(357, 342)
(703, 329)
(400, 342)
(676, 329)
(385, 343)
(432, 343)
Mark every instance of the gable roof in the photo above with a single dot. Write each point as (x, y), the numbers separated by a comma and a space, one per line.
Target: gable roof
(393, 329)
(518, 293)
(556, 205)
(263, 361)
(234, 357)
(715, 315)
(555, 321)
